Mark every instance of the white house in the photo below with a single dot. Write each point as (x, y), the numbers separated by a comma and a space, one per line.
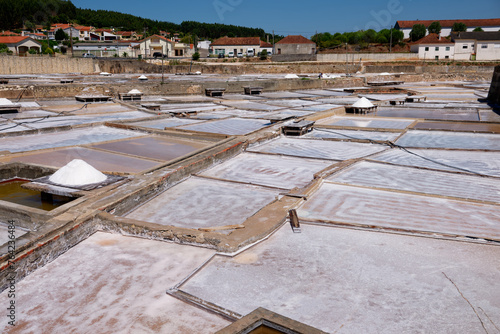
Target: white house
(433, 46)
(21, 44)
(203, 44)
(446, 25)
(155, 43)
(243, 45)
(477, 45)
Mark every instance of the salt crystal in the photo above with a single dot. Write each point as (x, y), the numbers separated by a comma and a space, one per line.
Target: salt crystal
(363, 103)
(77, 173)
(291, 76)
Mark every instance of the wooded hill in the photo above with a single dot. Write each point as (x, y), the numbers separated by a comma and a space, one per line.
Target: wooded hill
(15, 14)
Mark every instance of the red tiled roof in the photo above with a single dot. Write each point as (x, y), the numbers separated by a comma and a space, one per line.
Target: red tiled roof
(9, 33)
(265, 44)
(158, 36)
(449, 23)
(295, 39)
(12, 39)
(237, 41)
(60, 26)
(124, 33)
(104, 30)
(433, 39)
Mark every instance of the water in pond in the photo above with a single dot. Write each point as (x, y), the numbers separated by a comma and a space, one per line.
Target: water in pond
(11, 191)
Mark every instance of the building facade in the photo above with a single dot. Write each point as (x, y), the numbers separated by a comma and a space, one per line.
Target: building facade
(225, 45)
(295, 45)
(483, 46)
(434, 47)
(20, 45)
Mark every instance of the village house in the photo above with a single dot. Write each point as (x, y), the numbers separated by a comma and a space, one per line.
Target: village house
(155, 43)
(20, 45)
(446, 25)
(243, 45)
(477, 45)
(295, 45)
(434, 47)
(106, 48)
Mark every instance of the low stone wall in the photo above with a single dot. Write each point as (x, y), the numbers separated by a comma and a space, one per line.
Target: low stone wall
(45, 65)
(356, 57)
(494, 93)
(175, 87)
(294, 57)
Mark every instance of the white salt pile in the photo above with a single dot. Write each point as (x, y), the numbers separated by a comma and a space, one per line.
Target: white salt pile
(197, 73)
(291, 76)
(77, 173)
(134, 92)
(385, 73)
(106, 74)
(5, 102)
(363, 103)
(143, 77)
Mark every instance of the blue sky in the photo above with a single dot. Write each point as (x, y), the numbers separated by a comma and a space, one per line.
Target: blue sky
(304, 17)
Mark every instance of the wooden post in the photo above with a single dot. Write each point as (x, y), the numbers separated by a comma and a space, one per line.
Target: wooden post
(294, 221)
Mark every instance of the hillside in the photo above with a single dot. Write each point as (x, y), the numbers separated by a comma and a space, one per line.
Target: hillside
(16, 13)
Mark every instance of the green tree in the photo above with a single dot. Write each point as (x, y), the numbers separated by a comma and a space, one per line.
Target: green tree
(263, 54)
(477, 29)
(196, 56)
(459, 26)
(29, 25)
(3, 48)
(434, 28)
(60, 35)
(417, 32)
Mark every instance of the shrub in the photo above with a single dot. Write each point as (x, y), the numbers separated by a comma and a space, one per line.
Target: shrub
(263, 55)
(125, 55)
(434, 28)
(417, 32)
(196, 56)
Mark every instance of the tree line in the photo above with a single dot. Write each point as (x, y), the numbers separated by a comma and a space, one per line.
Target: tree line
(16, 14)
(361, 38)
(419, 31)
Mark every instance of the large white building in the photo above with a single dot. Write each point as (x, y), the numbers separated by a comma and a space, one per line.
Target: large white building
(446, 25)
(477, 45)
(483, 46)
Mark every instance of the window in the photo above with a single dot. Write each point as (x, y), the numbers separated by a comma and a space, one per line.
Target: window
(436, 57)
(465, 46)
(436, 48)
(426, 48)
(447, 48)
(446, 57)
(484, 46)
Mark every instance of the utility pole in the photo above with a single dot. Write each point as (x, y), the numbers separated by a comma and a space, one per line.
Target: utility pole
(390, 44)
(162, 68)
(274, 51)
(71, 38)
(346, 61)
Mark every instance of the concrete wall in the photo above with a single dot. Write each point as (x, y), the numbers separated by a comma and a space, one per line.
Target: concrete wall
(45, 65)
(298, 57)
(340, 57)
(494, 93)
